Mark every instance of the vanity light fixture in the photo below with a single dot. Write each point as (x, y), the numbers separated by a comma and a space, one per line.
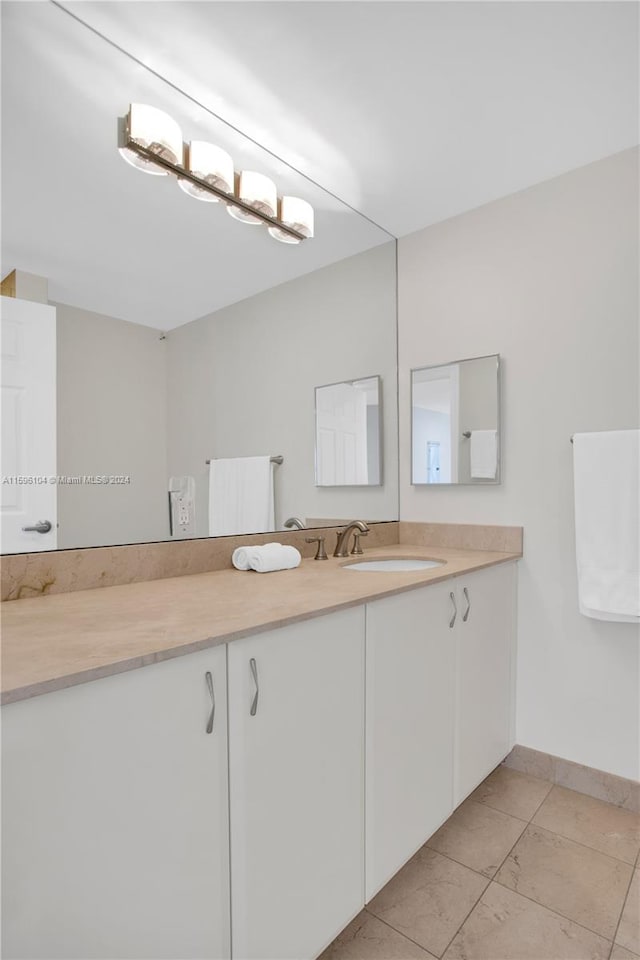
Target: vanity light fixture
(259, 194)
(151, 141)
(151, 131)
(295, 213)
(210, 163)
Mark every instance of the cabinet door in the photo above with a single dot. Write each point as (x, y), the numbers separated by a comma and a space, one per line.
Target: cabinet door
(115, 817)
(296, 755)
(410, 706)
(486, 647)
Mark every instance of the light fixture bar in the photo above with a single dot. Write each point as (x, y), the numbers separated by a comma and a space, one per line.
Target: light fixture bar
(125, 141)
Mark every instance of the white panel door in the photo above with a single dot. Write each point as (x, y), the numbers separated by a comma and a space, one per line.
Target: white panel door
(410, 714)
(115, 817)
(296, 761)
(485, 653)
(28, 386)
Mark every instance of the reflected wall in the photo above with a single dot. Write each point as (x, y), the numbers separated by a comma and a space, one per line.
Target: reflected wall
(244, 380)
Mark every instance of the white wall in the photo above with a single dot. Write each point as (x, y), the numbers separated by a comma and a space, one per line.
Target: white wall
(548, 278)
(243, 380)
(111, 420)
(236, 383)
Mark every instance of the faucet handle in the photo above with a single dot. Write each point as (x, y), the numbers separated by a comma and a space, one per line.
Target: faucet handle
(357, 549)
(321, 553)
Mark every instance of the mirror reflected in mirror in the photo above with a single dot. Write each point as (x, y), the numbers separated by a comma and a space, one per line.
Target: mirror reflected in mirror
(455, 422)
(348, 427)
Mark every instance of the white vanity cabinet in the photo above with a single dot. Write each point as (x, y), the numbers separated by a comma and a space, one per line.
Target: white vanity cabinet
(140, 822)
(296, 761)
(115, 817)
(440, 665)
(485, 670)
(410, 716)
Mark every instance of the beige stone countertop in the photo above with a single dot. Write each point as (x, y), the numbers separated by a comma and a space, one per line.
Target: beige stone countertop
(49, 643)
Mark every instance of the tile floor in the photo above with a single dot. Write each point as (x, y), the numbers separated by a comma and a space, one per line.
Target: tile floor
(523, 870)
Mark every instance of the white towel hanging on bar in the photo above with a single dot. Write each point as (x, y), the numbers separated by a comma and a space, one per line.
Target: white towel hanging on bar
(241, 496)
(606, 482)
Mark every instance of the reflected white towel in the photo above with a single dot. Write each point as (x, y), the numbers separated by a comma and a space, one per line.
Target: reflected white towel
(241, 496)
(606, 475)
(484, 454)
(265, 558)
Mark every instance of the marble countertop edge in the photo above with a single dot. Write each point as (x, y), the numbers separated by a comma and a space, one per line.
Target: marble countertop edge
(52, 643)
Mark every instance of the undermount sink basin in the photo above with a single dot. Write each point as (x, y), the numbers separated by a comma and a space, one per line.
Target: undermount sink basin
(391, 564)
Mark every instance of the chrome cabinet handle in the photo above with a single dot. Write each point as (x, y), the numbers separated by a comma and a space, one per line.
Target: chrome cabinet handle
(42, 526)
(254, 673)
(209, 680)
(465, 616)
(455, 609)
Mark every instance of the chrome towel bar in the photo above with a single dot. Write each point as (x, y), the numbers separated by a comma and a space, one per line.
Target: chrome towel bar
(279, 459)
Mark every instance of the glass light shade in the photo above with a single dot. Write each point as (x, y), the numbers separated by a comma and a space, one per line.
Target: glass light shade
(209, 163)
(259, 192)
(158, 132)
(295, 213)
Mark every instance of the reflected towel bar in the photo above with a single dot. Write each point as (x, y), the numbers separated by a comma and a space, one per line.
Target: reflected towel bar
(279, 460)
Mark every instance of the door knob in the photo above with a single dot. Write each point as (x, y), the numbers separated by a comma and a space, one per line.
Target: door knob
(42, 526)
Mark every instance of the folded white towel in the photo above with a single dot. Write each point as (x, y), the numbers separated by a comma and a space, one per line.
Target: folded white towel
(263, 559)
(484, 454)
(241, 557)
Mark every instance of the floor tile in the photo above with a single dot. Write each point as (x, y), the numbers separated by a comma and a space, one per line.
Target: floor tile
(506, 926)
(600, 825)
(429, 899)
(367, 938)
(512, 792)
(477, 836)
(621, 953)
(629, 930)
(569, 878)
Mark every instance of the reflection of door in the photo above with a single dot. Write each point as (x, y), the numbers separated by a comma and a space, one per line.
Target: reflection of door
(433, 461)
(28, 381)
(435, 424)
(341, 435)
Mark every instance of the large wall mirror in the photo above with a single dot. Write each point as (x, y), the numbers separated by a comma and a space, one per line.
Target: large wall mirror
(178, 335)
(455, 422)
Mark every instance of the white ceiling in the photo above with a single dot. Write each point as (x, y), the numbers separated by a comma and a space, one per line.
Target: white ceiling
(411, 112)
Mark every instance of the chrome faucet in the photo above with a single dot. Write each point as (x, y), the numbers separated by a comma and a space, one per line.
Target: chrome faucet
(342, 546)
(295, 522)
